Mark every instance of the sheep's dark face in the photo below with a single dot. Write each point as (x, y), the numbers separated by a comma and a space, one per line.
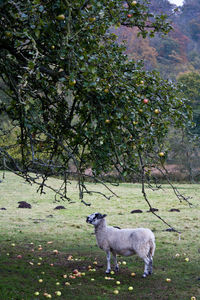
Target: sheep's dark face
(95, 218)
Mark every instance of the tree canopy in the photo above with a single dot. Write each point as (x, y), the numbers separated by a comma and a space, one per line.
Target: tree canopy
(73, 99)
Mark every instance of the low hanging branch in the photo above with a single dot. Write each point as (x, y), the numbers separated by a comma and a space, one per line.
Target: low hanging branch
(145, 195)
(176, 192)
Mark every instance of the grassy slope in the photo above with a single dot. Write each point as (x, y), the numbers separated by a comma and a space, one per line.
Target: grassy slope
(71, 235)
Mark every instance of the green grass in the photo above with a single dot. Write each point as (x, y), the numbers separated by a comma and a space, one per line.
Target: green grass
(70, 235)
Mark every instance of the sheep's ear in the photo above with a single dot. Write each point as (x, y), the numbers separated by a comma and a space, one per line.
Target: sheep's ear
(103, 216)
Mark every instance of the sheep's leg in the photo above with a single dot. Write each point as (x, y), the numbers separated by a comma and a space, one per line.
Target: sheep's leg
(115, 261)
(108, 262)
(146, 267)
(150, 269)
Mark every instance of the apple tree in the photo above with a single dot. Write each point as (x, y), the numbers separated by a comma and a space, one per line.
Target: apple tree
(72, 98)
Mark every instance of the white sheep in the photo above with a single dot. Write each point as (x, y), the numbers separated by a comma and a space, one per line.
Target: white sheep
(126, 242)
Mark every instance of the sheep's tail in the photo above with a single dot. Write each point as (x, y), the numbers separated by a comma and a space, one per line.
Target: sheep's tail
(152, 248)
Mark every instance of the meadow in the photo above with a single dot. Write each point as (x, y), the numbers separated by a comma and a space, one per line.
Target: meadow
(47, 253)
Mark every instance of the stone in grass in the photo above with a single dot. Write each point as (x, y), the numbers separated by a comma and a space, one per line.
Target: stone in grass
(24, 204)
(59, 207)
(136, 211)
(174, 209)
(152, 209)
(170, 229)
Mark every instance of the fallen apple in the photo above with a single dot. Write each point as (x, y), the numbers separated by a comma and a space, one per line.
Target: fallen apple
(58, 293)
(193, 298)
(36, 293)
(129, 15)
(67, 283)
(168, 280)
(118, 282)
(133, 3)
(187, 259)
(116, 292)
(133, 274)
(124, 263)
(130, 288)
(40, 280)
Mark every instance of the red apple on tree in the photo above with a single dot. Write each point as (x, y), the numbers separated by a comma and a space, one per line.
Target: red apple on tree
(145, 101)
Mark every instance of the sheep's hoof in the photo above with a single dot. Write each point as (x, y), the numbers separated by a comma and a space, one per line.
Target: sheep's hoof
(144, 275)
(108, 271)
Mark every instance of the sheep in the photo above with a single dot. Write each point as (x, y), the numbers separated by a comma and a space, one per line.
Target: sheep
(125, 242)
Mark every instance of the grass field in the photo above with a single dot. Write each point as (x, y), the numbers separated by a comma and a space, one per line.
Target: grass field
(29, 264)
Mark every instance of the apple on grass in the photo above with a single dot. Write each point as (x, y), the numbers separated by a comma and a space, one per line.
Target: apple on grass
(116, 292)
(58, 293)
(130, 288)
(133, 3)
(168, 280)
(187, 259)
